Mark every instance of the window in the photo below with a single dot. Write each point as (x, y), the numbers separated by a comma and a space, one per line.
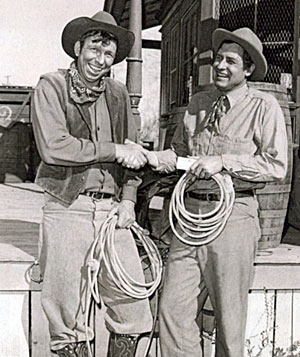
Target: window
(179, 58)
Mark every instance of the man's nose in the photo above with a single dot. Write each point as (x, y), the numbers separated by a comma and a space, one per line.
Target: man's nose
(100, 57)
(221, 64)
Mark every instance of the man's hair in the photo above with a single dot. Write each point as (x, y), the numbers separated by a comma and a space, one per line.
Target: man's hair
(105, 37)
(247, 60)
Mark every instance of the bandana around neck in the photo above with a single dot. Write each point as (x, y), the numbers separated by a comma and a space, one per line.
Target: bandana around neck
(79, 91)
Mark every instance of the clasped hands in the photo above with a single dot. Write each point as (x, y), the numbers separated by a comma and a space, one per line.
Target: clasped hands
(133, 155)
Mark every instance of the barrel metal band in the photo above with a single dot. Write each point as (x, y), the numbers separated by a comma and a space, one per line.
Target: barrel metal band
(134, 59)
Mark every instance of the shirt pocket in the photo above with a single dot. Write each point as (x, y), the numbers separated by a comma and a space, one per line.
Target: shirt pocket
(232, 145)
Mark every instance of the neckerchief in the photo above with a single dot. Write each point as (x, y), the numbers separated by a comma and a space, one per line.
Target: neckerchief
(219, 109)
(79, 91)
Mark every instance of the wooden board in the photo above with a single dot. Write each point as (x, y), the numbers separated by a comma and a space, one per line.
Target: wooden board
(14, 327)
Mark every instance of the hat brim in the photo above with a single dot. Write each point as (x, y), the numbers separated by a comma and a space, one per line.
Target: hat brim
(261, 66)
(78, 27)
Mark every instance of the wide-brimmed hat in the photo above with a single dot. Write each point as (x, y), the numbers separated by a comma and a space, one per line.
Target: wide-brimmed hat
(250, 43)
(104, 21)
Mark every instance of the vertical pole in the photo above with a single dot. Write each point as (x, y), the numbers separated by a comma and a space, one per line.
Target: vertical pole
(134, 60)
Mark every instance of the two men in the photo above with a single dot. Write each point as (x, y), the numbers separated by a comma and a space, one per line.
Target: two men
(81, 119)
(238, 131)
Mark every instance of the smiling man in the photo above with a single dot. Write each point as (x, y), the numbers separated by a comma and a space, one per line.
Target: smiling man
(81, 119)
(238, 131)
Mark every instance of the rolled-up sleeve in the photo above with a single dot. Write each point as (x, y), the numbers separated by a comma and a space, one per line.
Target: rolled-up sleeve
(55, 143)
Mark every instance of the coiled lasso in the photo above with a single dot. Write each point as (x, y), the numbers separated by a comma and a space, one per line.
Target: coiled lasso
(103, 251)
(201, 228)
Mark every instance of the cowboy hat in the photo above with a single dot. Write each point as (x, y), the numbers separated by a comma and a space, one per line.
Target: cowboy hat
(248, 40)
(104, 21)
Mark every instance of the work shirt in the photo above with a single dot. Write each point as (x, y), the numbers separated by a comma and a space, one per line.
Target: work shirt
(63, 132)
(252, 139)
(99, 178)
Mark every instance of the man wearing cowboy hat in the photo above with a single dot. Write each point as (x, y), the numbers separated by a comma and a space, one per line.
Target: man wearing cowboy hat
(81, 120)
(234, 130)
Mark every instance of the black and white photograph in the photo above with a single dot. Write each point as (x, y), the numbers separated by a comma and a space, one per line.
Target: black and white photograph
(150, 178)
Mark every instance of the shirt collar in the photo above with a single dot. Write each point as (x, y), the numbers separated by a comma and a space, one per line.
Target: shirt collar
(237, 94)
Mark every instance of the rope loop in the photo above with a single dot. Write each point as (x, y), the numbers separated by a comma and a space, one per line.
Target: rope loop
(201, 228)
(107, 254)
(103, 252)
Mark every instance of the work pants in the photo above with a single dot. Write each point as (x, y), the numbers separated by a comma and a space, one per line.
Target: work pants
(67, 236)
(225, 268)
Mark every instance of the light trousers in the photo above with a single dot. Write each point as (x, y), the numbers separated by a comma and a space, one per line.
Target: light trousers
(67, 236)
(224, 269)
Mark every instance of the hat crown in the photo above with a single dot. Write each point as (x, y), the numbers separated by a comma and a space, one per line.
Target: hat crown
(248, 35)
(105, 17)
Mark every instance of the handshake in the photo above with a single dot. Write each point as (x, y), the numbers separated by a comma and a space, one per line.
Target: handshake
(135, 156)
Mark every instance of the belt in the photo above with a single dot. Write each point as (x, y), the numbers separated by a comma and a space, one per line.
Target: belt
(216, 196)
(97, 195)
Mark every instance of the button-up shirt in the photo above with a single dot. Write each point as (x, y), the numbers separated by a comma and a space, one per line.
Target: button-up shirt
(252, 140)
(98, 177)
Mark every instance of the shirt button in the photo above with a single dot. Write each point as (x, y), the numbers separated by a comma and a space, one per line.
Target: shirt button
(82, 178)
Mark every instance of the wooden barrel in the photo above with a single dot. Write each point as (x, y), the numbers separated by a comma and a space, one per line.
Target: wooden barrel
(274, 197)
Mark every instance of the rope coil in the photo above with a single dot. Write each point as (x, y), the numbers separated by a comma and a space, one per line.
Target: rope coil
(201, 228)
(107, 254)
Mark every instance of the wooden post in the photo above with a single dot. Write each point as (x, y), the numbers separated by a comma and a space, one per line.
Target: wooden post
(134, 60)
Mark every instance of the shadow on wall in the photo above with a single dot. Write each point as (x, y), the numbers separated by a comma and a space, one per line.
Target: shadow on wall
(19, 158)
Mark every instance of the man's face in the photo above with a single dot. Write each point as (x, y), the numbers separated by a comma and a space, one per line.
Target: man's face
(228, 67)
(96, 58)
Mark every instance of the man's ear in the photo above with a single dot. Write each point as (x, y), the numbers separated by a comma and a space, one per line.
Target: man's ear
(250, 70)
(77, 48)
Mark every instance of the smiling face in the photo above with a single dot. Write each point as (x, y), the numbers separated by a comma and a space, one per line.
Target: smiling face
(229, 71)
(95, 58)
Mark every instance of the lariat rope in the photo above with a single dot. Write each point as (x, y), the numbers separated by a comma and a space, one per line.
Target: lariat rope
(103, 252)
(201, 228)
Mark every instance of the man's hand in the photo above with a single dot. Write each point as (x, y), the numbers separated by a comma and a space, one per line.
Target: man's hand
(131, 155)
(152, 159)
(125, 212)
(206, 166)
(162, 161)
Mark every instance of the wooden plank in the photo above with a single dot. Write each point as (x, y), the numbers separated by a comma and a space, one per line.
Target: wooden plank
(296, 316)
(283, 254)
(259, 331)
(21, 201)
(15, 107)
(14, 327)
(13, 277)
(22, 107)
(277, 276)
(39, 328)
(283, 320)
